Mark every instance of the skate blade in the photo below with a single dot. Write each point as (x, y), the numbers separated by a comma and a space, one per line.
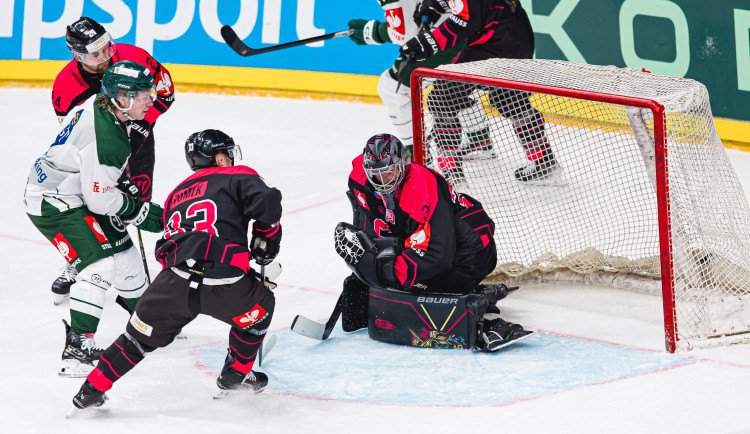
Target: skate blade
(480, 155)
(514, 341)
(224, 394)
(86, 413)
(60, 299)
(554, 179)
(181, 335)
(74, 369)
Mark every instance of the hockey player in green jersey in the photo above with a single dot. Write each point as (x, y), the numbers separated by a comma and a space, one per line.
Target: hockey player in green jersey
(397, 28)
(72, 196)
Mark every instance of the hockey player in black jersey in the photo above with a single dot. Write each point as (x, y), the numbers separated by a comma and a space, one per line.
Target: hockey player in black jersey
(491, 29)
(419, 235)
(205, 258)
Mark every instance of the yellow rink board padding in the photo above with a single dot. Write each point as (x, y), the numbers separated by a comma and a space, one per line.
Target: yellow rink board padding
(303, 84)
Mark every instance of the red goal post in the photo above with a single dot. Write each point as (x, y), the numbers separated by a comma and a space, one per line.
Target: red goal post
(607, 112)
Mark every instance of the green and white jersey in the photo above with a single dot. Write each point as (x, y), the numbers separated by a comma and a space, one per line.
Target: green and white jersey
(399, 14)
(82, 166)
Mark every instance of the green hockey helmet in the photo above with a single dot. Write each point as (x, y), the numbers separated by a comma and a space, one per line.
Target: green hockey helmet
(129, 78)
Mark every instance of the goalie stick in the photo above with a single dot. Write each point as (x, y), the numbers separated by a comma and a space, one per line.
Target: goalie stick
(231, 38)
(316, 330)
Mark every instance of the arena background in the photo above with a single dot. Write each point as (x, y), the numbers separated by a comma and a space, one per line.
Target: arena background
(679, 37)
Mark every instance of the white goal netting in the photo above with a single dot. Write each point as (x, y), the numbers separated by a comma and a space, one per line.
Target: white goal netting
(569, 162)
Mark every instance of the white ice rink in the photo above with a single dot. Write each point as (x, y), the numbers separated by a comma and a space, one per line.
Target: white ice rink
(597, 364)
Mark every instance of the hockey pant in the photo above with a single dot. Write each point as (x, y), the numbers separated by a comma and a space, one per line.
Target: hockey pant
(170, 303)
(398, 105)
(122, 270)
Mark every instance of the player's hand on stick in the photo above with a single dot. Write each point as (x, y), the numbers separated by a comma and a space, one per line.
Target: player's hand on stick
(365, 32)
(432, 9)
(148, 216)
(265, 243)
(420, 47)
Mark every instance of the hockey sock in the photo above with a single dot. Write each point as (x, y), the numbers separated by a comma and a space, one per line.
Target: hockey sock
(86, 302)
(117, 360)
(244, 346)
(530, 131)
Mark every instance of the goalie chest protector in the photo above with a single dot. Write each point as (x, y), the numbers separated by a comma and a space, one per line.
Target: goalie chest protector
(425, 320)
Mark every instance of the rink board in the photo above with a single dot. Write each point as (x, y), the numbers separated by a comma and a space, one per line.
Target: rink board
(352, 367)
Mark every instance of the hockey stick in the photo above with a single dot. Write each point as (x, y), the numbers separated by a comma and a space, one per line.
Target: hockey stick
(403, 66)
(143, 255)
(231, 38)
(316, 330)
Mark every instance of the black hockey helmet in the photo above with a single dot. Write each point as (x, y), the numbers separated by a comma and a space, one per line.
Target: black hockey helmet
(201, 148)
(384, 161)
(86, 36)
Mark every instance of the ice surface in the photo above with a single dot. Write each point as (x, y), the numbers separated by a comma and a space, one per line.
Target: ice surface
(598, 363)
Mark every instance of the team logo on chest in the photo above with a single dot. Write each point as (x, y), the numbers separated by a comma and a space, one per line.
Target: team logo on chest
(420, 239)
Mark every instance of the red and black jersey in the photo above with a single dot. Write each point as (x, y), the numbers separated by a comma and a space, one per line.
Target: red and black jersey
(74, 85)
(439, 229)
(491, 29)
(206, 217)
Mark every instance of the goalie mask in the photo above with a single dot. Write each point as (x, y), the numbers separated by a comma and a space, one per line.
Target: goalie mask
(384, 162)
(201, 148)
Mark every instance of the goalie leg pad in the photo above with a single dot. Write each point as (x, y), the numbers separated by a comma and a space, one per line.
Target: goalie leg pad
(354, 304)
(426, 320)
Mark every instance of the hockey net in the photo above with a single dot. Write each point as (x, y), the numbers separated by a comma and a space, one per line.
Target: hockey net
(641, 194)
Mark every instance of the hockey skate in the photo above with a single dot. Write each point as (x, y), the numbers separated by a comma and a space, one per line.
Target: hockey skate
(545, 171)
(478, 146)
(79, 354)
(499, 333)
(88, 397)
(61, 285)
(231, 380)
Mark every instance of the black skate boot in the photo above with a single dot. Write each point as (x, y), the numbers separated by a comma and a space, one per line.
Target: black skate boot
(88, 396)
(61, 285)
(499, 333)
(538, 170)
(79, 354)
(231, 379)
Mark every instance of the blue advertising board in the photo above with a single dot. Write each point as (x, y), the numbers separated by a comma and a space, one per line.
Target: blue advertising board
(187, 31)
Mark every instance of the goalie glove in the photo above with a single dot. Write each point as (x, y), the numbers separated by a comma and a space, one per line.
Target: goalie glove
(372, 261)
(433, 9)
(265, 243)
(366, 32)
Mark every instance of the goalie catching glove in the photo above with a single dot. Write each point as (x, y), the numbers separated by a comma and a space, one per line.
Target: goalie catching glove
(371, 260)
(265, 243)
(143, 214)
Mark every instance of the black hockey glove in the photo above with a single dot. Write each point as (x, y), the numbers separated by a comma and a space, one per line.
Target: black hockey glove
(145, 215)
(433, 9)
(421, 47)
(366, 32)
(265, 243)
(127, 186)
